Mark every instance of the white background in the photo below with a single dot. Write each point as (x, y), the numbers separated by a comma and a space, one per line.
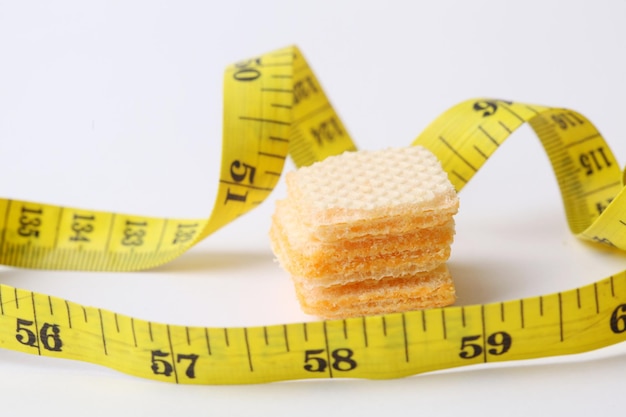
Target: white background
(117, 106)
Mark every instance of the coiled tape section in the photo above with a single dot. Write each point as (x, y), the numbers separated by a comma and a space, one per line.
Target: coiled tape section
(274, 106)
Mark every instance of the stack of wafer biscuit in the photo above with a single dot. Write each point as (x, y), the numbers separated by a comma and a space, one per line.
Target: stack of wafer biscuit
(368, 232)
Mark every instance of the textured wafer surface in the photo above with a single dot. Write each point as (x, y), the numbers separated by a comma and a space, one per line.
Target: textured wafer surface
(302, 239)
(371, 185)
(424, 290)
(330, 263)
(335, 269)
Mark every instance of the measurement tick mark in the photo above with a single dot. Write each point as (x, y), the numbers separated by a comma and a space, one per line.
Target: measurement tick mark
(132, 328)
(482, 320)
(273, 155)
(612, 287)
(481, 153)
(561, 316)
(252, 187)
(69, 315)
(364, 330)
(495, 142)
(282, 106)
(600, 189)
(463, 316)
(286, 336)
(454, 151)
(162, 235)
(263, 120)
(4, 229)
(583, 140)
(277, 90)
(206, 339)
(507, 108)
(443, 323)
(110, 233)
(501, 123)
(104, 341)
(278, 64)
(277, 139)
(406, 340)
(459, 176)
(32, 298)
(169, 339)
(56, 230)
(245, 335)
(330, 368)
(532, 110)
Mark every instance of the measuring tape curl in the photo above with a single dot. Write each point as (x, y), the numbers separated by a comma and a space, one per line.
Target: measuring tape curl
(275, 106)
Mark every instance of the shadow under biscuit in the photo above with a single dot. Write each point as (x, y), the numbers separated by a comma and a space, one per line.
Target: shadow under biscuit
(481, 283)
(209, 260)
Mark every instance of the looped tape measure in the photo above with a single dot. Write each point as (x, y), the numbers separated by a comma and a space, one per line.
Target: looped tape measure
(274, 107)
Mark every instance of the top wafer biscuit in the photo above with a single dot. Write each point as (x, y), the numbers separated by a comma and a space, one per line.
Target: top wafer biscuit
(369, 185)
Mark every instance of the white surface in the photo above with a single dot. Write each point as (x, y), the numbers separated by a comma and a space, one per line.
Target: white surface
(117, 106)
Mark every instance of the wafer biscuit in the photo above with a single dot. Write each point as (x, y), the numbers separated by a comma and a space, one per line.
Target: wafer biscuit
(329, 263)
(367, 232)
(388, 294)
(374, 192)
(301, 237)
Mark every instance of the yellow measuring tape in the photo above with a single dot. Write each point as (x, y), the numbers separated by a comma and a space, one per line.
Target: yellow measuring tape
(275, 106)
